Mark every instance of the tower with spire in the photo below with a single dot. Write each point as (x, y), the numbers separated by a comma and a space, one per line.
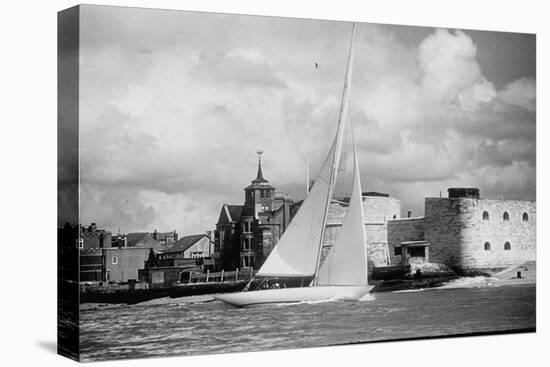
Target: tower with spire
(259, 194)
(245, 234)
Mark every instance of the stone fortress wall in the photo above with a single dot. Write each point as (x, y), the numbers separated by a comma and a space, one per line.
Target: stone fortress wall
(504, 238)
(469, 233)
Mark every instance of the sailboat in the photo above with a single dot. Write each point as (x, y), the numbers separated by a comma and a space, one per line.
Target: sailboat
(297, 255)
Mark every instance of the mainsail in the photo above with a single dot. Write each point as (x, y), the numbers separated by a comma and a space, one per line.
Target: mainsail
(297, 250)
(346, 262)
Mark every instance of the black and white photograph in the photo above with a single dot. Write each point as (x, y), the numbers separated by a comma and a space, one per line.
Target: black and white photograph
(297, 182)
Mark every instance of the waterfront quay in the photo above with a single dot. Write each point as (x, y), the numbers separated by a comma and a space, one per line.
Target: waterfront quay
(135, 292)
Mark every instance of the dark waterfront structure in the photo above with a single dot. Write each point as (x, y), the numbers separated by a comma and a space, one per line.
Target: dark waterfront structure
(246, 234)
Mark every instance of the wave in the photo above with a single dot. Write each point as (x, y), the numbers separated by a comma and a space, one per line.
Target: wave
(469, 282)
(412, 290)
(367, 297)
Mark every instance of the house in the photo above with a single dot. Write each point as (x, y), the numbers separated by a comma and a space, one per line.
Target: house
(166, 239)
(168, 269)
(121, 264)
(246, 234)
(93, 238)
(91, 265)
(190, 247)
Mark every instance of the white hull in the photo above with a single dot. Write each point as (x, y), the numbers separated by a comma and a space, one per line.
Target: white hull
(294, 295)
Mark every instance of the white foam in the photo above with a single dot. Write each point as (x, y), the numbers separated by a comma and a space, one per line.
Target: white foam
(367, 297)
(469, 282)
(411, 290)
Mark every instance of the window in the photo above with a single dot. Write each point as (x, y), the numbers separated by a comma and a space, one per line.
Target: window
(507, 246)
(505, 216)
(114, 260)
(80, 243)
(525, 217)
(487, 246)
(196, 255)
(248, 261)
(246, 244)
(397, 251)
(485, 215)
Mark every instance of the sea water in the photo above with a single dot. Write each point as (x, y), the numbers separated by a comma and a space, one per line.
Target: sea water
(171, 327)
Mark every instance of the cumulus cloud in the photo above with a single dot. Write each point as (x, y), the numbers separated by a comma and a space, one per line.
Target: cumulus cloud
(521, 93)
(449, 64)
(174, 106)
(481, 92)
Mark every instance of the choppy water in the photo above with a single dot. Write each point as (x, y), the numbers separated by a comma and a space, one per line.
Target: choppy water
(179, 328)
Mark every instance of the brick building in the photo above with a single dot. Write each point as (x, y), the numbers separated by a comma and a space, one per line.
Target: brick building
(466, 232)
(91, 265)
(93, 238)
(91, 243)
(104, 257)
(245, 234)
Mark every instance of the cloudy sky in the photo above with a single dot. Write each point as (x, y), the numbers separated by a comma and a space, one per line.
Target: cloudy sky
(174, 105)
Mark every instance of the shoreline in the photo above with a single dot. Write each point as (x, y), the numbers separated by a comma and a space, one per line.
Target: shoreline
(495, 281)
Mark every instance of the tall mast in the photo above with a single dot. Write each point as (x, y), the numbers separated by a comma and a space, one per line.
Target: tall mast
(307, 175)
(338, 150)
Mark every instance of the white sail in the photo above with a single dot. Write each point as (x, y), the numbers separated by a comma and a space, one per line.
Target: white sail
(298, 248)
(346, 262)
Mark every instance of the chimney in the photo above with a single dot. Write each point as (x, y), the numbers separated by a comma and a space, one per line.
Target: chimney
(409, 214)
(93, 228)
(155, 235)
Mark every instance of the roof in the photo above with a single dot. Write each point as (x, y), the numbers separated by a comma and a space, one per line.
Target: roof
(236, 211)
(185, 242)
(260, 176)
(419, 243)
(133, 239)
(374, 193)
(232, 213)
